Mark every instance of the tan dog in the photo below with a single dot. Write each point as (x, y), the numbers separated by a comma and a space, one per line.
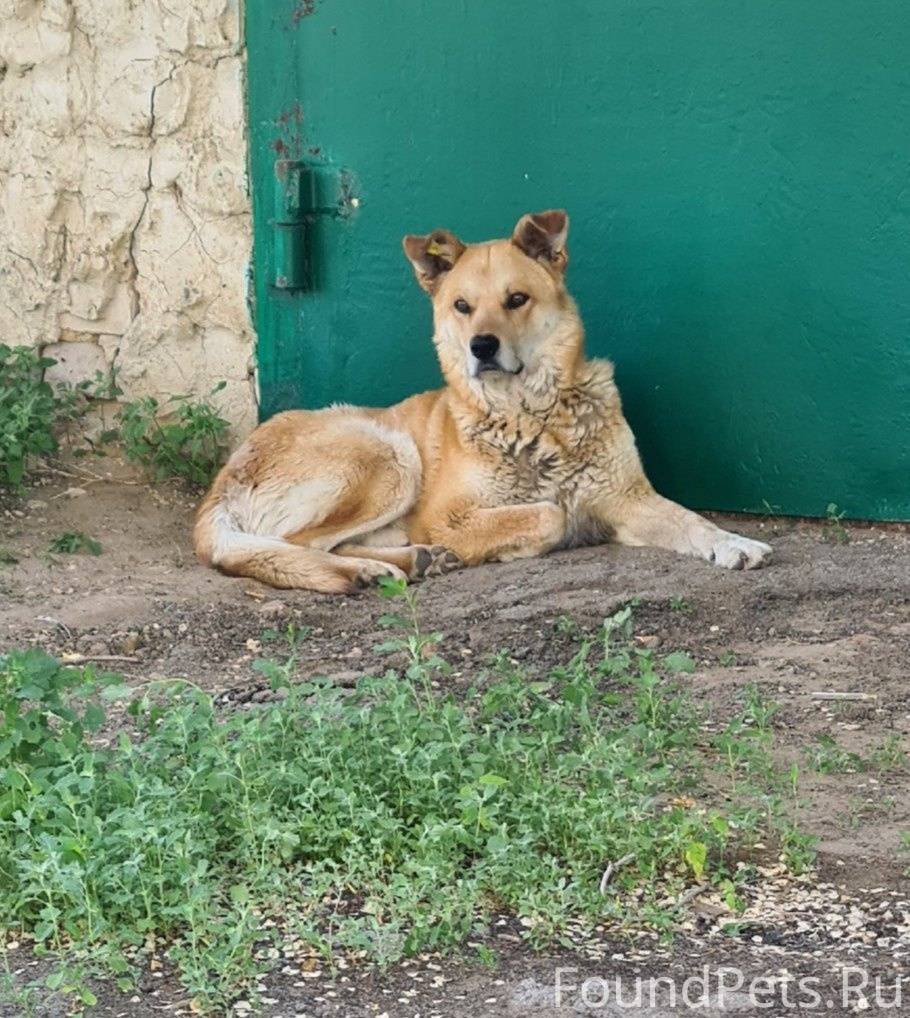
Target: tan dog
(525, 450)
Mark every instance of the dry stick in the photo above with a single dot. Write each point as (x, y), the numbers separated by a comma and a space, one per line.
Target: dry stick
(612, 867)
(692, 894)
(78, 659)
(86, 476)
(844, 696)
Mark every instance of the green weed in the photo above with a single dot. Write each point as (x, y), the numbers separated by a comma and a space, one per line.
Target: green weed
(862, 811)
(30, 410)
(33, 413)
(390, 820)
(181, 438)
(834, 530)
(826, 756)
(680, 604)
(565, 625)
(890, 755)
(797, 848)
(759, 786)
(74, 542)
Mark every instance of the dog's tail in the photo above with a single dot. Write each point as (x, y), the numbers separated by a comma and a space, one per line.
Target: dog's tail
(220, 541)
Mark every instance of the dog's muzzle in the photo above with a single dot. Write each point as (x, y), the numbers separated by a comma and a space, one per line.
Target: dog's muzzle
(484, 352)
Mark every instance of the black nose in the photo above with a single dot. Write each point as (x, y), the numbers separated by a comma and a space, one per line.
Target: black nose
(484, 346)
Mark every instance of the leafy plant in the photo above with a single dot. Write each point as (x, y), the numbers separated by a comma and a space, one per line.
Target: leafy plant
(72, 542)
(835, 531)
(680, 604)
(890, 755)
(182, 437)
(29, 408)
(826, 756)
(797, 849)
(391, 819)
(565, 625)
(679, 661)
(33, 412)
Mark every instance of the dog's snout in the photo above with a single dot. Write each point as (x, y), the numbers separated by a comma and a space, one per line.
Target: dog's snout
(484, 346)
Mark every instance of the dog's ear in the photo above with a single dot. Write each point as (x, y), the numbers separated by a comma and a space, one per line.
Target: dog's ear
(542, 236)
(432, 256)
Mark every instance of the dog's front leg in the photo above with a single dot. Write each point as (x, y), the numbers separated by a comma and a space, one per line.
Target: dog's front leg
(647, 519)
(483, 534)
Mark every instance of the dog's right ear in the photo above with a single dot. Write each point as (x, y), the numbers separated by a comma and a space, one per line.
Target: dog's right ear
(542, 236)
(432, 256)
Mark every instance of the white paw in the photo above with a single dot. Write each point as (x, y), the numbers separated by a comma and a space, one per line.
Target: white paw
(734, 552)
(369, 572)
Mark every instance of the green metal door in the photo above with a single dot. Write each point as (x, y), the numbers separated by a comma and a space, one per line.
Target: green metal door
(736, 172)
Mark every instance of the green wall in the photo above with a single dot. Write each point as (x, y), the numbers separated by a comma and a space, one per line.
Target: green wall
(738, 177)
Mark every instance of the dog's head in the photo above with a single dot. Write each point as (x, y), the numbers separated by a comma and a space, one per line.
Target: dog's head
(503, 318)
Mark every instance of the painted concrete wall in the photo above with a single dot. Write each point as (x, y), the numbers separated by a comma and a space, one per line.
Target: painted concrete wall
(124, 215)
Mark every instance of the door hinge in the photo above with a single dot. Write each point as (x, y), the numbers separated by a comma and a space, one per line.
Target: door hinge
(304, 193)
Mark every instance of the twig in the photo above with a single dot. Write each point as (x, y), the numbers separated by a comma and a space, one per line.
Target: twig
(844, 696)
(57, 470)
(85, 475)
(78, 659)
(612, 867)
(692, 894)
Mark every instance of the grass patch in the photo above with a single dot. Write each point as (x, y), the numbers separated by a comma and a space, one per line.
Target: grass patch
(74, 542)
(383, 822)
(827, 756)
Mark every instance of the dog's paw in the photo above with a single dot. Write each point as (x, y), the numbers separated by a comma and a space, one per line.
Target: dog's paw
(368, 573)
(730, 551)
(435, 560)
(552, 527)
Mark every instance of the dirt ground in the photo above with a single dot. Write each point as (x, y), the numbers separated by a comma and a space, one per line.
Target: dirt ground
(827, 615)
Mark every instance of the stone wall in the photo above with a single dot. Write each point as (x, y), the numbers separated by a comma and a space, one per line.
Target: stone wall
(125, 228)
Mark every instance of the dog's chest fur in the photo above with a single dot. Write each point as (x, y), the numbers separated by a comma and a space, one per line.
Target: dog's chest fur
(565, 450)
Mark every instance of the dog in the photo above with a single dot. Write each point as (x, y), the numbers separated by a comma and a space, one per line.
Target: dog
(524, 451)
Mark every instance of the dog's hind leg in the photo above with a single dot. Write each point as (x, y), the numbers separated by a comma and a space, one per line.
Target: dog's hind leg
(297, 489)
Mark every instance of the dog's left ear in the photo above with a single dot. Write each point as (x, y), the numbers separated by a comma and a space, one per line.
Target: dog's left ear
(542, 236)
(432, 256)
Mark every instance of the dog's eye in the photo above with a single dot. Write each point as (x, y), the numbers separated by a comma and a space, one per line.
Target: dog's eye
(516, 300)
(462, 306)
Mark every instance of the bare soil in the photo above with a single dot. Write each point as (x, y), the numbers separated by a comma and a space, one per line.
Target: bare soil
(827, 615)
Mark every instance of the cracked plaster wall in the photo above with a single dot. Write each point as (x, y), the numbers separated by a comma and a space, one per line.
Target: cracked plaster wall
(125, 227)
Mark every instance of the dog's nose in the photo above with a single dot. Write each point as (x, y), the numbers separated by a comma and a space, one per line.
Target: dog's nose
(484, 346)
